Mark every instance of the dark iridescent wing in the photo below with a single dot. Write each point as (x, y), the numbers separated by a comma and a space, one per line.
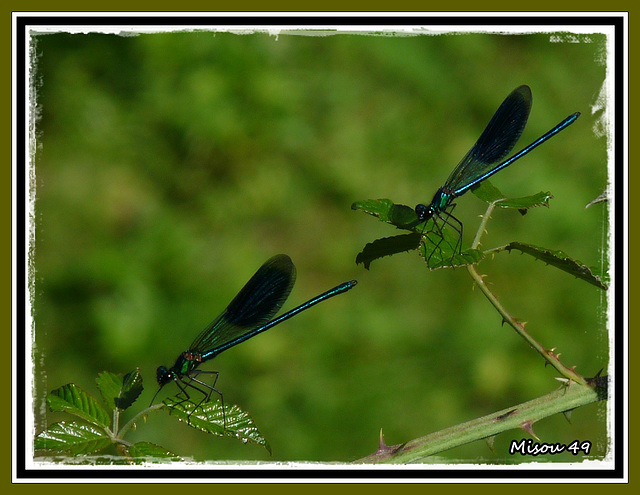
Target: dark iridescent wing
(256, 303)
(496, 142)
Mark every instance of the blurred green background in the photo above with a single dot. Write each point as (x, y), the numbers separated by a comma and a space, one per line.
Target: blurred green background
(170, 166)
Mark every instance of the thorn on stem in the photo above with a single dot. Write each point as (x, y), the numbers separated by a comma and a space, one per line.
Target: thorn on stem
(552, 354)
(528, 427)
(490, 441)
(567, 415)
(381, 445)
(383, 448)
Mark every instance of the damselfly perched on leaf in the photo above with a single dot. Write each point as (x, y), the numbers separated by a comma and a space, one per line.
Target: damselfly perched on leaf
(485, 159)
(248, 314)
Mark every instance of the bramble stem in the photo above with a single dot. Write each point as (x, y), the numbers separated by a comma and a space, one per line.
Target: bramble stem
(483, 224)
(565, 398)
(136, 418)
(547, 354)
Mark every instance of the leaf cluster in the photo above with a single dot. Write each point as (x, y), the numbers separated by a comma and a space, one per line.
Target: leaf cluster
(97, 429)
(437, 246)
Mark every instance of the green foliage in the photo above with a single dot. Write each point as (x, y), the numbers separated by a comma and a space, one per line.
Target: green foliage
(439, 243)
(488, 193)
(72, 438)
(436, 245)
(210, 417)
(100, 431)
(73, 400)
(387, 211)
(387, 246)
(119, 392)
(142, 451)
(440, 254)
(562, 261)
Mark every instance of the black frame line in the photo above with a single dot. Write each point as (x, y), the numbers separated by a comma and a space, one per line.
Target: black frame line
(24, 22)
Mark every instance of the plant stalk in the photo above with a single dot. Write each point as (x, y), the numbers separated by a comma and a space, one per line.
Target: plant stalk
(547, 354)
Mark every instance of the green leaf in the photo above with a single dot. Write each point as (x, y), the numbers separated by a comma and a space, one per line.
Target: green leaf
(439, 253)
(527, 202)
(209, 417)
(386, 247)
(387, 211)
(147, 451)
(439, 248)
(72, 438)
(560, 260)
(109, 385)
(436, 245)
(487, 192)
(131, 389)
(120, 391)
(465, 258)
(72, 399)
